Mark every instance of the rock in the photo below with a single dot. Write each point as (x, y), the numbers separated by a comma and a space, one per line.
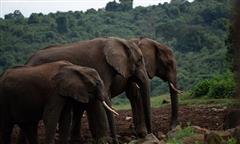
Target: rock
(217, 137)
(128, 118)
(149, 139)
(162, 142)
(236, 134)
(193, 139)
(126, 138)
(219, 109)
(172, 133)
(212, 138)
(161, 135)
(199, 130)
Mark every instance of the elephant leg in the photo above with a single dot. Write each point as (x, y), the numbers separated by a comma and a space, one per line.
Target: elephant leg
(6, 133)
(97, 121)
(30, 132)
(21, 138)
(137, 110)
(51, 116)
(65, 124)
(78, 111)
(112, 125)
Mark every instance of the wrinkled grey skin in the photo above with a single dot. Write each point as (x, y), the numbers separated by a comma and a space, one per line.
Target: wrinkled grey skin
(48, 91)
(118, 62)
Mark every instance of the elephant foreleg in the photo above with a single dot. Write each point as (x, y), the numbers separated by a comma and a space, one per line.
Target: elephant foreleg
(65, 123)
(30, 132)
(76, 123)
(97, 121)
(112, 126)
(51, 116)
(6, 133)
(21, 138)
(137, 109)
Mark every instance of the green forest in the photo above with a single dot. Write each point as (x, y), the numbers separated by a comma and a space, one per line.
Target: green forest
(196, 31)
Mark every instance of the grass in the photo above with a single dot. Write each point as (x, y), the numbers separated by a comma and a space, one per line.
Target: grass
(188, 131)
(155, 102)
(184, 99)
(180, 134)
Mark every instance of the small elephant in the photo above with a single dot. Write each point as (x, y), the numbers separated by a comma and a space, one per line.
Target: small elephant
(31, 93)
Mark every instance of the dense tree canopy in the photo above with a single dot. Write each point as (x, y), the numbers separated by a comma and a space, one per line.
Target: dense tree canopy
(195, 31)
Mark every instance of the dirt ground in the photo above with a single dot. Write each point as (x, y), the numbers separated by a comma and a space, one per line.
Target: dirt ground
(204, 116)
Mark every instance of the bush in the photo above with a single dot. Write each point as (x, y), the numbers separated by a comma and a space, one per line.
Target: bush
(180, 134)
(201, 88)
(220, 86)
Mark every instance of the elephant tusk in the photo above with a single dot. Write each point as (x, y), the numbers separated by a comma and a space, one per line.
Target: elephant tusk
(174, 88)
(109, 108)
(137, 86)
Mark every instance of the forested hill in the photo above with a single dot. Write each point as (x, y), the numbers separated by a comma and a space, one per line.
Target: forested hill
(196, 31)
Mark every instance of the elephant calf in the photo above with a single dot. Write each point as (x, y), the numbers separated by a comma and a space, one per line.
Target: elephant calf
(31, 93)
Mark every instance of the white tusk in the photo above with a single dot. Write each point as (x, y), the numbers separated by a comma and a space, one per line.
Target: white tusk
(137, 86)
(173, 87)
(109, 108)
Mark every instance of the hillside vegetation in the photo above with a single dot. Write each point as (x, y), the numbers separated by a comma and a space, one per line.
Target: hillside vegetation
(195, 31)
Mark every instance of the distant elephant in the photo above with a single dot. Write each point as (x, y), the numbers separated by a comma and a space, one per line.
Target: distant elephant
(31, 93)
(160, 62)
(118, 62)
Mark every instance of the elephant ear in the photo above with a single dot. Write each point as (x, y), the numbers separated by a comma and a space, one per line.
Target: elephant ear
(72, 83)
(117, 55)
(147, 47)
(164, 54)
(150, 64)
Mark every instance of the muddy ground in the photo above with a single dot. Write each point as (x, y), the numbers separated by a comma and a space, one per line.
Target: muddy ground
(209, 117)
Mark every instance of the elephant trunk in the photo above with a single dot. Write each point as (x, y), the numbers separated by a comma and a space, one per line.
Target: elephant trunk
(143, 84)
(174, 100)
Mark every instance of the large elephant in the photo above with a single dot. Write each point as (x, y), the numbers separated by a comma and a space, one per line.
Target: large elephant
(31, 93)
(118, 62)
(160, 62)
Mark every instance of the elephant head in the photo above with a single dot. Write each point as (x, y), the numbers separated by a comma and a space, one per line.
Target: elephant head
(127, 60)
(81, 84)
(160, 61)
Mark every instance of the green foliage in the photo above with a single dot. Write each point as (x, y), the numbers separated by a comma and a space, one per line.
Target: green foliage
(232, 141)
(201, 88)
(34, 18)
(124, 5)
(188, 132)
(62, 24)
(230, 48)
(16, 16)
(180, 134)
(220, 86)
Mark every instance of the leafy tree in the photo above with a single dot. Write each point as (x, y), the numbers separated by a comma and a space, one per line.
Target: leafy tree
(15, 15)
(112, 6)
(34, 18)
(124, 5)
(62, 24)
